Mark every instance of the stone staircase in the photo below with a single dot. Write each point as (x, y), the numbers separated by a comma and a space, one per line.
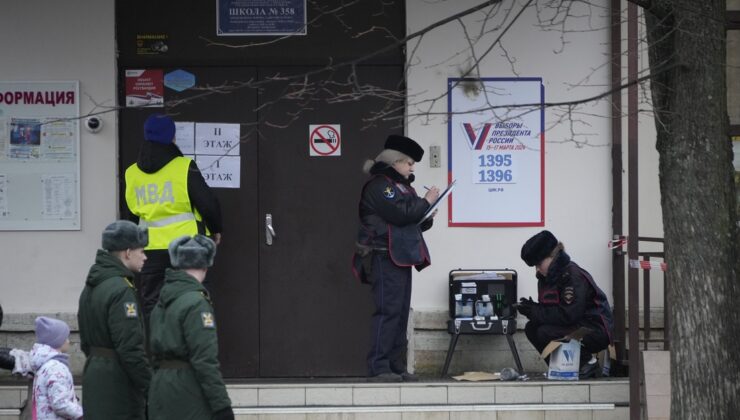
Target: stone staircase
(602, 399)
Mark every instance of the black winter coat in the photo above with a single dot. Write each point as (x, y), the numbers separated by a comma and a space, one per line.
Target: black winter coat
(568, 296)
(390, 212)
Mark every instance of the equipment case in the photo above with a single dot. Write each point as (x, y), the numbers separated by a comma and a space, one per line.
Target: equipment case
(472, 285)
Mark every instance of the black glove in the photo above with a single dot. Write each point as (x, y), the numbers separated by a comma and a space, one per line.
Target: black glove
(224, 414)
(6, 360)
(525, 306)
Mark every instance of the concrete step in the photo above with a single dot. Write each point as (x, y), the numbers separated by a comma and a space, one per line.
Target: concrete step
(602, 399)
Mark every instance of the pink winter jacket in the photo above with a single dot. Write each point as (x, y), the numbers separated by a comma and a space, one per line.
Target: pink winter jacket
(53, 388)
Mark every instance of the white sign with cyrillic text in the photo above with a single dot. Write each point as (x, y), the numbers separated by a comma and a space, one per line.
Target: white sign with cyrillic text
(217, 139)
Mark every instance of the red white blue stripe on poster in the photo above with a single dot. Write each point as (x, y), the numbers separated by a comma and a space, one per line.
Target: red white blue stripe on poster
(496, 149)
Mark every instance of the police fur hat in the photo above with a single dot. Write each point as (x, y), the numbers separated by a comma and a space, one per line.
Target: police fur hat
(122, 234)
(192, 252)
(405, 145)
(159, 128)
(538, 247)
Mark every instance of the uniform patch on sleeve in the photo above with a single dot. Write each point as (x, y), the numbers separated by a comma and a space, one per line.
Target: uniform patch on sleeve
(569, 295)
(207, 319)
(129, 308)
(389, 192)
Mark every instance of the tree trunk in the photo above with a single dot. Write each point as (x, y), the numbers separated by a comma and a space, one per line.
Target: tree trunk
(698, 203)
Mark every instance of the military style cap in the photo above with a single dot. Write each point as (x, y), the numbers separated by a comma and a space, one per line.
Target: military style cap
(192, 252)
(122, 234)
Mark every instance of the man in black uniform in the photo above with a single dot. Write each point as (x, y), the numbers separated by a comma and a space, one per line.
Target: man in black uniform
(389, 243)
(568, 299)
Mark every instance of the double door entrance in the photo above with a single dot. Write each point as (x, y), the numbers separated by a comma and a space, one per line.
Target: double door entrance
(286, 302)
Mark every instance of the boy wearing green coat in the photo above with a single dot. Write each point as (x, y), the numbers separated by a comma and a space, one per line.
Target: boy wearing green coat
(117, 372)
(187, 382)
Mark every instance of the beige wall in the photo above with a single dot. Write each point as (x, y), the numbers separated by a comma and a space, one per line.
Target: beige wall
(47, 40)
(578, 177)
(68, 40)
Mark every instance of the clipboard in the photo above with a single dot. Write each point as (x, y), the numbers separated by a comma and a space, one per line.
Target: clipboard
(434, 205)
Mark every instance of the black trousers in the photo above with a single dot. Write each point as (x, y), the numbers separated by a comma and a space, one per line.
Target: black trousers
(392, 297)
(541, 334)
(151, 279)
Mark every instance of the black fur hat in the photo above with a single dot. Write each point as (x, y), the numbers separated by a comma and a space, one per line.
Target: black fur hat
(192, 252)
(538, 247)
(122, 234)
(405, 145)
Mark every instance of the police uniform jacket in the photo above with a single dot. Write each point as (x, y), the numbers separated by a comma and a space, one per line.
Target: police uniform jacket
(389, 214)
(117, 373)
(568, 296)
(187, 382)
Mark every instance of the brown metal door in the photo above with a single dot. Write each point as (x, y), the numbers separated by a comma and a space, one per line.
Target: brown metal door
(290, 309)
(234, 277)
(314, 316)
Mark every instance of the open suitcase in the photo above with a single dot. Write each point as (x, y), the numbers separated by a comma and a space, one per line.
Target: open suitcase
(481, 301)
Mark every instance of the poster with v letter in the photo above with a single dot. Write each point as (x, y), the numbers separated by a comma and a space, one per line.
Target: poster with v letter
(496, 149)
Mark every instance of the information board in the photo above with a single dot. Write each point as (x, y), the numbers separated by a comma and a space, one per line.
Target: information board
(496, 151)
(39, 155)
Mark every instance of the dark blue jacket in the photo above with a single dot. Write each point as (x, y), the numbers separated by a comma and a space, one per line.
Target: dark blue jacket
(390, 212)
(568, 296)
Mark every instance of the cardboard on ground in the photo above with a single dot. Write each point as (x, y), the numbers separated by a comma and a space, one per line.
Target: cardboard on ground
(575, 335)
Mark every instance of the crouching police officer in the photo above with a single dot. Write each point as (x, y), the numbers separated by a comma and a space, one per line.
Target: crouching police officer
(117, 373)
(568, 299)
(187, 382)
(389, 243)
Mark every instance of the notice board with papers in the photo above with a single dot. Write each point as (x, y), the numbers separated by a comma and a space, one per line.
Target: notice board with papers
(39, 155)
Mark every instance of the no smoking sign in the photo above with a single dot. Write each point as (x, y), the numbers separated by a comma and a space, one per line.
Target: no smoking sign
(324, 140)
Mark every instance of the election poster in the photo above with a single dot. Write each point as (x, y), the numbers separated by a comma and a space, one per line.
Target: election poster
(496, 150)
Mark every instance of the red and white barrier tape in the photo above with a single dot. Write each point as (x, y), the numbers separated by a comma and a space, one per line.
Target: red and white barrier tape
(617, 243)
(648, 265)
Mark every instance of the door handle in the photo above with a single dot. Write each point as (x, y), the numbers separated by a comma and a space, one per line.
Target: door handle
(269, 230)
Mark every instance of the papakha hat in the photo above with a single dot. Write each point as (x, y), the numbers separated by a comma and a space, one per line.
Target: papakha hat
(123, 234)
(159, 128)
(192, 252)
(405, 145)
(538, 247)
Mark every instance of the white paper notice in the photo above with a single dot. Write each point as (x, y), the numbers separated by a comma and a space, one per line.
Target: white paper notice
(3, 195)
(217, 139)
(58, 196)
(58, 139)
(220, 171)
(185, 137)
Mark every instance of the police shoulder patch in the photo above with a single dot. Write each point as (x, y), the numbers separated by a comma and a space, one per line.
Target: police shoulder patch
(569, 295)
(389, 192)
(208, 321)
(129, 309)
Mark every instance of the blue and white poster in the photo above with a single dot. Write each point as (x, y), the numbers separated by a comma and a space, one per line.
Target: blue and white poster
(496, 152)
(260, 17)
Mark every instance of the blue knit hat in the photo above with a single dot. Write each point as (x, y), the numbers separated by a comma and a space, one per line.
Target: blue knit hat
(159, 128)
(51, 332)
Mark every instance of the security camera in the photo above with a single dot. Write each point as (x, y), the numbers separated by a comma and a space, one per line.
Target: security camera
(93, 124)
